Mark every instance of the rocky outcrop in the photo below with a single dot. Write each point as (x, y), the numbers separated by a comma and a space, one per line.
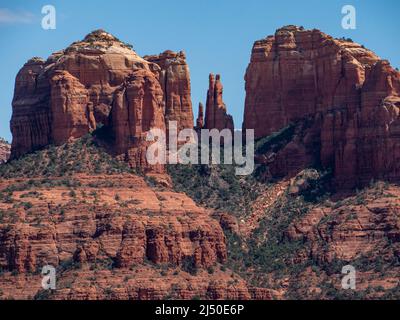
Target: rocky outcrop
(216, 111)
(137, 108)
(174, 78)
(113, 230)
(5, 150)
(313, 239)
(351, 230)
(86, 234)
(68, 94)
(72, 114)
(348, 96)
(99, 81)
(31, 117)
(362, 231)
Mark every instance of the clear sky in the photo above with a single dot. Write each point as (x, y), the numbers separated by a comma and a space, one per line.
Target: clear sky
(217, 35)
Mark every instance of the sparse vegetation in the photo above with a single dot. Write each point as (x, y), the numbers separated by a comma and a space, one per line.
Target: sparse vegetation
(269, 253)
(82, 156)
(216, 186)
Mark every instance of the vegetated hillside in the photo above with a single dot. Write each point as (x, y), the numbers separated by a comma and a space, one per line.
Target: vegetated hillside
(84, 155)
(100, 81)
(294, 236)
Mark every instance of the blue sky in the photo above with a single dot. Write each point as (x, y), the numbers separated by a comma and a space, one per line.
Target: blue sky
(217, 35)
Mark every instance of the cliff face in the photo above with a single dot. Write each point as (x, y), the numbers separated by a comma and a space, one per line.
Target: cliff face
(4, 151)
(99, 80)
(72, 116)
(216, 111)
(349, 97)
(31, 118)
(200, 117)
(351, 230)
(112, 234)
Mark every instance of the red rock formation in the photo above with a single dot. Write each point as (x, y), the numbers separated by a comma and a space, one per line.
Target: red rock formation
(66, 96)
(365, 225)
(349, 96)
(31, 119)
(138, 283)
(86, 235)
(360, 229)
(175, 82)
(72, 117)
(200, 117)
(5, 150)
(101, 63)
(216, 112)
(137, 108)
(157, 243)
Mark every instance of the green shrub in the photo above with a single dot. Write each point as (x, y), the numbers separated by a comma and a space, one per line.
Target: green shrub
(189, 265)
(84, 155)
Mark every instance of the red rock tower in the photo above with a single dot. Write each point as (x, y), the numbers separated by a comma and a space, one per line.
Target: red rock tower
(216, 111)
(200, 117)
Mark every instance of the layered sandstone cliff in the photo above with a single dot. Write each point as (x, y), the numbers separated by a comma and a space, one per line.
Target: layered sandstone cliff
(57, 99)
(174, 78)
(112, 237)
(99, 81)
(362, 231)
(200, 117)
(5, 150)
(348, 95)
(128, 223)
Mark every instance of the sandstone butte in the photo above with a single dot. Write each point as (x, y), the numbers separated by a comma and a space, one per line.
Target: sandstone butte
(99, 81)
(5, 150)
(175, 81)
(343, 99)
